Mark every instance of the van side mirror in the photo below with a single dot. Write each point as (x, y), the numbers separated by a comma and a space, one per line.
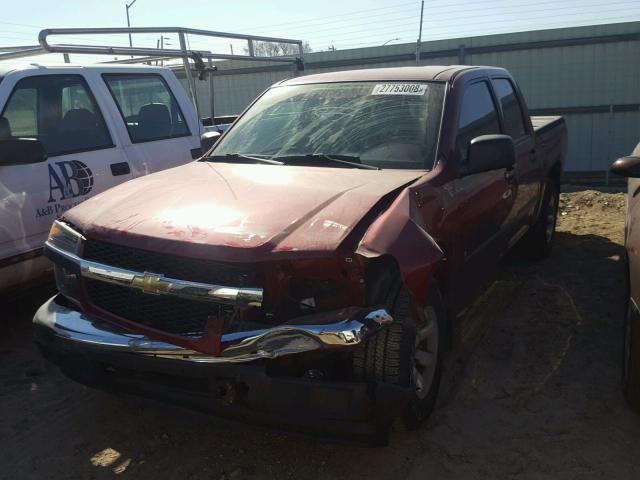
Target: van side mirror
(626, 167)
(489, 152)
(208, 140)
(21, 151)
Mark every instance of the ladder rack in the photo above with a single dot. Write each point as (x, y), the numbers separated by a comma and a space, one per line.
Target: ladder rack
(146, 55)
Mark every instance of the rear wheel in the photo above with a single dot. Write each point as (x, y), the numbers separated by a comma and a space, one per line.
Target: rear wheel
(630, 372)
(538, 242)
(406, 355)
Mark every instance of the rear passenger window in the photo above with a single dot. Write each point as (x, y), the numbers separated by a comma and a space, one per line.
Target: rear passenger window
(478, 116)
(511, 111)
(57, 110)
(147, 106)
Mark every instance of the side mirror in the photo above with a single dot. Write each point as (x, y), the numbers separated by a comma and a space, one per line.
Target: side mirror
(489, 152)
(626, 167)
(209, 139)
(21, 151)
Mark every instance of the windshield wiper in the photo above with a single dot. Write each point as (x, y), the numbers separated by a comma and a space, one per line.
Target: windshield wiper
(340, 159)
(231, 157)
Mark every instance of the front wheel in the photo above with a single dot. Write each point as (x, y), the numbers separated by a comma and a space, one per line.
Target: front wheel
(406, 353)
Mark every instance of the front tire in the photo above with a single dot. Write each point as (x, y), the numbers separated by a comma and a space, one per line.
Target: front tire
(406, 355)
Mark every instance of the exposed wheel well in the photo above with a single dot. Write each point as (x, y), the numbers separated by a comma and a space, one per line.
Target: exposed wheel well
(377, 273)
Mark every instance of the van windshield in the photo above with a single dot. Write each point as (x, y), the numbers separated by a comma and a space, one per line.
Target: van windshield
(386, 125)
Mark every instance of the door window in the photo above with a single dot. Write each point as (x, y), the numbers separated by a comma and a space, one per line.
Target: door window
(148, 107)
(57, 110)
(478, 116)
(511, 111)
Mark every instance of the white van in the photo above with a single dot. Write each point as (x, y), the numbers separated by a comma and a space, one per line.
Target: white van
(70, 132)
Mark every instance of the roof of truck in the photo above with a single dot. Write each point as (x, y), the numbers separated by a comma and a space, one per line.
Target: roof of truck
(12, 67)
(431, 72)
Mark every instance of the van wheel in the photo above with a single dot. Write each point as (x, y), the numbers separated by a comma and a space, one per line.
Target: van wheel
(630, 372)
(405, 355)
(538, 242)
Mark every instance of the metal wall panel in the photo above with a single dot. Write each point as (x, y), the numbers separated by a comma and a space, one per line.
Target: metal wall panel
(584, 67)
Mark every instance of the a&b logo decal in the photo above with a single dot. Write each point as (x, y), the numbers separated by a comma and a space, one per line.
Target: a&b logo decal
(70, 179)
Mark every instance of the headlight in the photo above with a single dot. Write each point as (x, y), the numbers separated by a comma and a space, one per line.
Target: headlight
(64, 237)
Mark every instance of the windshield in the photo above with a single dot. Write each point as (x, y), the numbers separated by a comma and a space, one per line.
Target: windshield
(386, 125)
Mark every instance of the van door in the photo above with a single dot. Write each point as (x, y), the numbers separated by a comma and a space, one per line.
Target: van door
(61, 112)
(161, 136)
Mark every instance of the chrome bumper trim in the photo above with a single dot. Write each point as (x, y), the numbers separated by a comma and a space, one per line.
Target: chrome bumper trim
(77, 328)
(158, 284)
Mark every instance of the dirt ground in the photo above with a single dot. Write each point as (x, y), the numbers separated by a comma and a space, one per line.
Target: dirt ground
(534, 394)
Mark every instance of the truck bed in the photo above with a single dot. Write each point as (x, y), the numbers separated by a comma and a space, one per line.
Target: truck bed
(542, 123)
(551, 138)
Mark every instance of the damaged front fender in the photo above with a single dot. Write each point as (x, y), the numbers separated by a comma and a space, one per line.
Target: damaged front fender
(399, 233)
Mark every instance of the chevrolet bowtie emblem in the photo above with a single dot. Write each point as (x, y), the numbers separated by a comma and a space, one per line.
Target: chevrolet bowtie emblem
(151, 283)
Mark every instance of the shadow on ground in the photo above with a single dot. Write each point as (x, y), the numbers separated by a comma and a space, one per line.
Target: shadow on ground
(533, 393)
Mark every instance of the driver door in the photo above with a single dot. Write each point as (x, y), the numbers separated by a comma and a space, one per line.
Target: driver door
(482, 201)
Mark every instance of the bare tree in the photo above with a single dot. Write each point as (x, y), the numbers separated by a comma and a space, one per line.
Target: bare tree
(277, 49)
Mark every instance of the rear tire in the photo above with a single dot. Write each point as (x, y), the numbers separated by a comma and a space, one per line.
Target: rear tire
(537, 244)
(405, 355)
(630, 367)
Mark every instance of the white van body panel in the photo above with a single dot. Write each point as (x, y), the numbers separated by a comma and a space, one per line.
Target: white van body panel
(32, 196)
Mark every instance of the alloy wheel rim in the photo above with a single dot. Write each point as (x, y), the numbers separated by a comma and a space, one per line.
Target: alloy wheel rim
(426, 354)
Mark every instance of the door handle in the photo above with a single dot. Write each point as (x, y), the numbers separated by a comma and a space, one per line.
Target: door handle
(510, 174)
(121, 168)
(532, 156)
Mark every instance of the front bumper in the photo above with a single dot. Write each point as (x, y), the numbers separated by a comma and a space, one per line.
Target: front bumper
(106, 356)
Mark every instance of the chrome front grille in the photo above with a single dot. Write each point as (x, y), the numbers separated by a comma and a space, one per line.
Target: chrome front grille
(183, 268)
(172, 294)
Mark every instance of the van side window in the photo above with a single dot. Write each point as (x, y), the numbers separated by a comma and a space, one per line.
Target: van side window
(478, 116)
(147, 106)
(57, 110)
(21, 113)
(511, 111)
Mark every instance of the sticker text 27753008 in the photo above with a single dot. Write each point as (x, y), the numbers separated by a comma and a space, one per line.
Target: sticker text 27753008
(399, 89)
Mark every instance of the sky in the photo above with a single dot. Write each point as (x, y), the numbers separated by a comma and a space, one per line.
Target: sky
(324, 24)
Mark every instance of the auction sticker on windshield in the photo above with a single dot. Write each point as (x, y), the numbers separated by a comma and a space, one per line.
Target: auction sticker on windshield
(399, 89)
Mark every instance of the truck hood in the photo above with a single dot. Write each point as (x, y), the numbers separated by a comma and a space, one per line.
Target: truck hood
(240, 209)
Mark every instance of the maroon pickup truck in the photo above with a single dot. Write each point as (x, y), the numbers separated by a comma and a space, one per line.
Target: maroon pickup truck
(310, 270)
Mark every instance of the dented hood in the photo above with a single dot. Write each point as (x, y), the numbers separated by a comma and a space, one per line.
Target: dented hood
(239, 209)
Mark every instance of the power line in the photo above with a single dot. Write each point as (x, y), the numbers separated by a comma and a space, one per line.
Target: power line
(355, 12)
(499, 30)
(461, 22)
(437, 17)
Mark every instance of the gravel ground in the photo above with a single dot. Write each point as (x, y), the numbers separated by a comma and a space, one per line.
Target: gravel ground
(533, 393)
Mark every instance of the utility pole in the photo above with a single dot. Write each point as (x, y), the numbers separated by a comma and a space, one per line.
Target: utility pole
(127, 7)
(160, 44)
(419, 42)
